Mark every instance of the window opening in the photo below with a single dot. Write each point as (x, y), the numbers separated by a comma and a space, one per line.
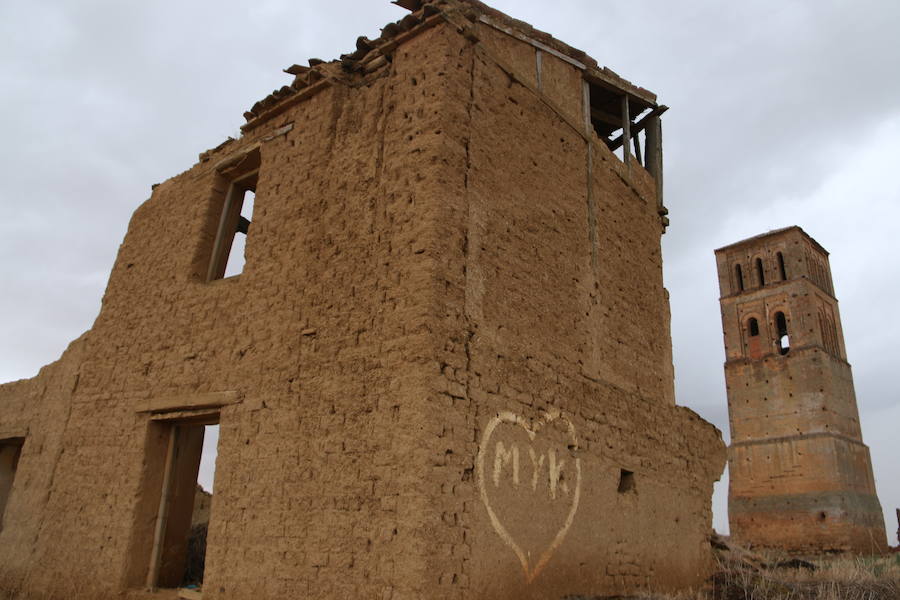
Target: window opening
(10, 451)
(231, 220)
(619, 118)
(234, 227)
(739, 276)
(753, 326)
(234, 265)
(781, 268)
(626, 482)
(760, 275)
(784, 341)
(169, 549)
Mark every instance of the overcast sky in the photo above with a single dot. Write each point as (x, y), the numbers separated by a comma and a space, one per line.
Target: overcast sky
(782, 113)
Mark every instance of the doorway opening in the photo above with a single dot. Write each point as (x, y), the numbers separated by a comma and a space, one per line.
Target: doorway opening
(10, 451)
(175, 508)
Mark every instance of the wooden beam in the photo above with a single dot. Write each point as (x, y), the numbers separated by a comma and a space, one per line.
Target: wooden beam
(654, 154)
(592, 74)
(162, 513)
(190, 402)
(605, 117)
(619, 86)
(637, 127)
(626, 130)
(586, 103)
(522, 37)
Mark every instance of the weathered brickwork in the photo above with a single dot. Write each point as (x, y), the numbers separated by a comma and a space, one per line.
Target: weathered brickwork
(444, 371)
(800, 475)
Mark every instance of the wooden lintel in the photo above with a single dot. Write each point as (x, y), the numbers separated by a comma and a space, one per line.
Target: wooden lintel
(197, 416)
(235, 160)
(190, 402)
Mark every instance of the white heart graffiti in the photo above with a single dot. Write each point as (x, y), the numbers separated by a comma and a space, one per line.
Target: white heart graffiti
(531, 571)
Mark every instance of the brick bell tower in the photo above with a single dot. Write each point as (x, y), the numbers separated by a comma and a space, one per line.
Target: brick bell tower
(800, 476)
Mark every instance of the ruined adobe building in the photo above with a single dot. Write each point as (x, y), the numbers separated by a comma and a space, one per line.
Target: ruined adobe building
(444, 372)
(800, 475)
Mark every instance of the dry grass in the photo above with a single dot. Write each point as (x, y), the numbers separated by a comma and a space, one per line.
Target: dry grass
(834, 578)
(743, 575)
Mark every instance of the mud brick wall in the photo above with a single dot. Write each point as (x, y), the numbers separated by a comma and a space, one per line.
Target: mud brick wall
(322, 335)
(800, 476)
(560, 332)
(445, 368)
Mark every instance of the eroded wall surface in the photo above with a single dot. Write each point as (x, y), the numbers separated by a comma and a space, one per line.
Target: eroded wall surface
(444, 372)
(557, 371)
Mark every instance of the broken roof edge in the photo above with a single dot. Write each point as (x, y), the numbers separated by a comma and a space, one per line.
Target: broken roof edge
(371, 55)
(773, 233)
(602, 75)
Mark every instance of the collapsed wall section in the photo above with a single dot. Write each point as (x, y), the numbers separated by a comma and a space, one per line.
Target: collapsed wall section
(36, 413)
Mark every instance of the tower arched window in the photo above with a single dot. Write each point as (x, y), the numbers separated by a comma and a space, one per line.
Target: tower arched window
(784, 341)
(760, 274)
(781, 268)
(753, 327)
(739, 277)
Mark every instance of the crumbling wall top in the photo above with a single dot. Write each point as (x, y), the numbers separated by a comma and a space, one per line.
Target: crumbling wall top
(370, 56)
